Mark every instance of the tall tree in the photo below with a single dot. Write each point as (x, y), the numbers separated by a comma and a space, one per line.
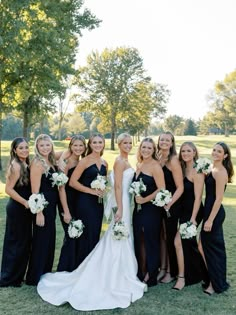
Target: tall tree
(38, 42)
(114, 86)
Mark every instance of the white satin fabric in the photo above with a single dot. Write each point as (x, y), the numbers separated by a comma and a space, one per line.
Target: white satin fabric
(106, 279)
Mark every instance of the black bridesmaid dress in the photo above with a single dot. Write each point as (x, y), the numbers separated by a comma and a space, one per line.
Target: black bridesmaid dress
(43, 244)
(90, 211)
(17, 240)
(69, 250)
(147, 220)
(171, 222)
(213, 242)
(192, 258)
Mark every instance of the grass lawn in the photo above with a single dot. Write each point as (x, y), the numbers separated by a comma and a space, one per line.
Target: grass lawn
(159, 300)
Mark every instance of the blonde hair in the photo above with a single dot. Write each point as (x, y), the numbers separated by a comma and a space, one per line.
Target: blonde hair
(122, 136)
(39, 157)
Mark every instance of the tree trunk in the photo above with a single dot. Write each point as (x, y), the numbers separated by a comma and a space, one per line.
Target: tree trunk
(113, 131)
(25, 119)
(1, 135)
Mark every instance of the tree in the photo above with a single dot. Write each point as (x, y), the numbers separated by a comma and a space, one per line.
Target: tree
(190, 127)
(174, 123)
(115, 88)
(38, 47)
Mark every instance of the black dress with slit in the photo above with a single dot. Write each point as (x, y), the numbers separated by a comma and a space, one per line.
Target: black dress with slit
(146, 228)
(17, 239)
(171, 222)
(192, 257)
(44, 237)
(69, 251)
(213, 242)
(90, 211)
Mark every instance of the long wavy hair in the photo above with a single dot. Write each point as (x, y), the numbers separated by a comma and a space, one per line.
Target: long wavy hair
(172, 152)
(24, 171)
(194, 148)
(82, 139)
(39, 157)
(227, 162)
(89, 150)
(150, 140)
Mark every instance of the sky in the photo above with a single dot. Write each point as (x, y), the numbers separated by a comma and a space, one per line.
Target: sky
(186, 44)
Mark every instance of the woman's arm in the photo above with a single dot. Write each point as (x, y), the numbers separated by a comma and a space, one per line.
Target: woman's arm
(178, 179)
(198, 182)
(118, 168)
(36, 171)
(63, 198)
(11, 182)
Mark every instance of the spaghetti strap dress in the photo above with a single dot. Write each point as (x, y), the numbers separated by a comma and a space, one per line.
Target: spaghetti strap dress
(43, 244)
(192, 257)
(69, 251)
(147, 225)
(17, 239)
(90, 211)
(171, 222)
(213, 242)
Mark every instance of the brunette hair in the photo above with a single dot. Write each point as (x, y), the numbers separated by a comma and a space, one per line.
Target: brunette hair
(172, 148)
(82, 139)
(227, 162)
(89, 150)
(24, 172)
(194, 148)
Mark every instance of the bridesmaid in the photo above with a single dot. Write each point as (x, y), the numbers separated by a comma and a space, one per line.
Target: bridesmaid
(147, 221)
(212, 245)
(167, 156)
(44, 229)
(188, 256)
(89, 210)
(18, 233)
(67, 210)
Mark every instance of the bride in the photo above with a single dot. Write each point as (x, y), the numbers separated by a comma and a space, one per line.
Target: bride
(106, 279)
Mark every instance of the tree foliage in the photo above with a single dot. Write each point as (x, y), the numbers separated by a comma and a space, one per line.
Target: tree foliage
(115, 88)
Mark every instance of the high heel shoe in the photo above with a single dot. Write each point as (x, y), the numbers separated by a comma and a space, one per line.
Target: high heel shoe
(161, 274)
(168, 276)
(183, 282)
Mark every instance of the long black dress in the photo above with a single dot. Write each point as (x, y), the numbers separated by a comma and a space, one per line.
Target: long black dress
(192, 258)
(213, 242)
(43, 245)
(171, 222)
(69, 250)
(147, 224)
(17, 239)
(90, 211)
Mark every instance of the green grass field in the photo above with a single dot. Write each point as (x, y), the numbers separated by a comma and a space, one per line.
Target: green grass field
(159, 300)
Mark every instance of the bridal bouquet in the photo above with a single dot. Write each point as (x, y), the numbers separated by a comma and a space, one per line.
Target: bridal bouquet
(75, 228)
(99, 183)
(137, 188)
(37, 203)
(59, 179)
(203, 165)
(119, 231)
(163, 197)
(187, 230)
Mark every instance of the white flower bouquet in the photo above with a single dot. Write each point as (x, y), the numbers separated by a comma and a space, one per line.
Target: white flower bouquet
(137, 188)
(37, 203)
(99, 183)
(75, 228)
(119, 231)
(203, 165)
(163, 197)
(59, 179)
(187, 230)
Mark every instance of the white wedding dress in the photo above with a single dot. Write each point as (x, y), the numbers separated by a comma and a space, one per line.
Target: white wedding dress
(106, 279)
